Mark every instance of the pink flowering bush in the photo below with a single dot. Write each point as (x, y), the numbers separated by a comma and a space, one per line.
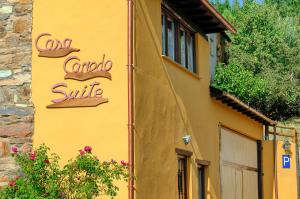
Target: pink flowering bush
(84, 177)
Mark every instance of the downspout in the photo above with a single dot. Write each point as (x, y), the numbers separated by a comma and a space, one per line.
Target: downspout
(275, 163)
(130, 100)
(297, 161)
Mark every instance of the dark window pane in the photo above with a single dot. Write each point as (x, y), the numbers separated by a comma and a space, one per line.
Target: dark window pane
(171, 38)
(182, 189)
(201, 183)
(163, 33)
(190, 52)
(182, 47)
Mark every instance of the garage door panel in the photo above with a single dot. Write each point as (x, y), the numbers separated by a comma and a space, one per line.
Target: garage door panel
(250, 187)
(239, 184)
(228, 182)
(238, 149)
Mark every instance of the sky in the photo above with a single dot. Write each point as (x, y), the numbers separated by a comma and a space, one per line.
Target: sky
(241, 1)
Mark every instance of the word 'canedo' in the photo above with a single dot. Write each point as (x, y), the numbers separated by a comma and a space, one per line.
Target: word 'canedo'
(75, 69)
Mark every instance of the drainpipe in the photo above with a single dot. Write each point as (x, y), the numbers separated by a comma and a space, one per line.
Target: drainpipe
(275, 163)
(130, 101)
(297, 159)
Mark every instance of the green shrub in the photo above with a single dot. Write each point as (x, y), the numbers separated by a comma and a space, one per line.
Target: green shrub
(84, 177)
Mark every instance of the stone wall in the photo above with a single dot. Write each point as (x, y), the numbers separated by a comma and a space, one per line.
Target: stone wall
(16, 109)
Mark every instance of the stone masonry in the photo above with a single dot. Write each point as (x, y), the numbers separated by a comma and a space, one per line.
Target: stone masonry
(16, 109)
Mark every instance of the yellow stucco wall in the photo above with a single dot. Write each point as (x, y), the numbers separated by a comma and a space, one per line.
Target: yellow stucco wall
(96, 27)
(287, 178)
(171, 103)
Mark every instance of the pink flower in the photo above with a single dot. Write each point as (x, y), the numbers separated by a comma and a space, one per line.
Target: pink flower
(12, 183)
(88, 149)
(82, 152)
(124, 163)
(32, 156)
(14, 149)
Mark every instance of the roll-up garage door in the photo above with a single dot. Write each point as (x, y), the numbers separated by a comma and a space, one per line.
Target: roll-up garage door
(239, 177)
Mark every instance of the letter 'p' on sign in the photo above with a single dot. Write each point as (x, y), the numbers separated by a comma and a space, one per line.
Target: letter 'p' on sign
(286, 161)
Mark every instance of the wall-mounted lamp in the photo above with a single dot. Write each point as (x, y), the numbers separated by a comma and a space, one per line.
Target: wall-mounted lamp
(187, 139)
(286, 145)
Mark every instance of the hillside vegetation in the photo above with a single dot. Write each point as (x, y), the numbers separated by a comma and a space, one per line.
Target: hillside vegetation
(264, 56)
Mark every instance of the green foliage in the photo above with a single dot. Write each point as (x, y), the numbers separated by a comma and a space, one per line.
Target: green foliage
(83, 177)
(266, 52)
(286, 8)
(236, 79)
(264, 40)
(260, 92)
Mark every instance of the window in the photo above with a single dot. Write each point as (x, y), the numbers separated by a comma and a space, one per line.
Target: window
(178, 40)
(201, 171)
(202, 166)
(182, 177)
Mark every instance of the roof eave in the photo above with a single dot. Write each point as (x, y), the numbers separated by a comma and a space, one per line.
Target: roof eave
(220, 18)
(240, 106)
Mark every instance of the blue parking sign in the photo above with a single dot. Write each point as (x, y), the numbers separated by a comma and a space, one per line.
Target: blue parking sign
(286, 161)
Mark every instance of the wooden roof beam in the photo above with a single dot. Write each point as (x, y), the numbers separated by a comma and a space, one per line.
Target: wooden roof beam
(230, 100)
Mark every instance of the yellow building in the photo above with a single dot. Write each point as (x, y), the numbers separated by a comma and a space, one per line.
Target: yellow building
(133, 80)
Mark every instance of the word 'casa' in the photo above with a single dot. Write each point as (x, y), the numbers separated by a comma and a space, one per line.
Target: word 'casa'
(53, 48)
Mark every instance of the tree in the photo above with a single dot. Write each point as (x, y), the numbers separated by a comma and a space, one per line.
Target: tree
(265, 52)
(287, 8)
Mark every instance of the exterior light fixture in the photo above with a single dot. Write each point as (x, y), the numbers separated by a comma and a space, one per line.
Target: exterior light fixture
(286, 145)
(187, 139)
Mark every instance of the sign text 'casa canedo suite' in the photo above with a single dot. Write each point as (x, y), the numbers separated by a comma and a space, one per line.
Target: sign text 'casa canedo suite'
(89, 95)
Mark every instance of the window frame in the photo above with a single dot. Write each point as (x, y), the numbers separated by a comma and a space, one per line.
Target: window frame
(179, 24)
(201, 181)
(184, 193)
